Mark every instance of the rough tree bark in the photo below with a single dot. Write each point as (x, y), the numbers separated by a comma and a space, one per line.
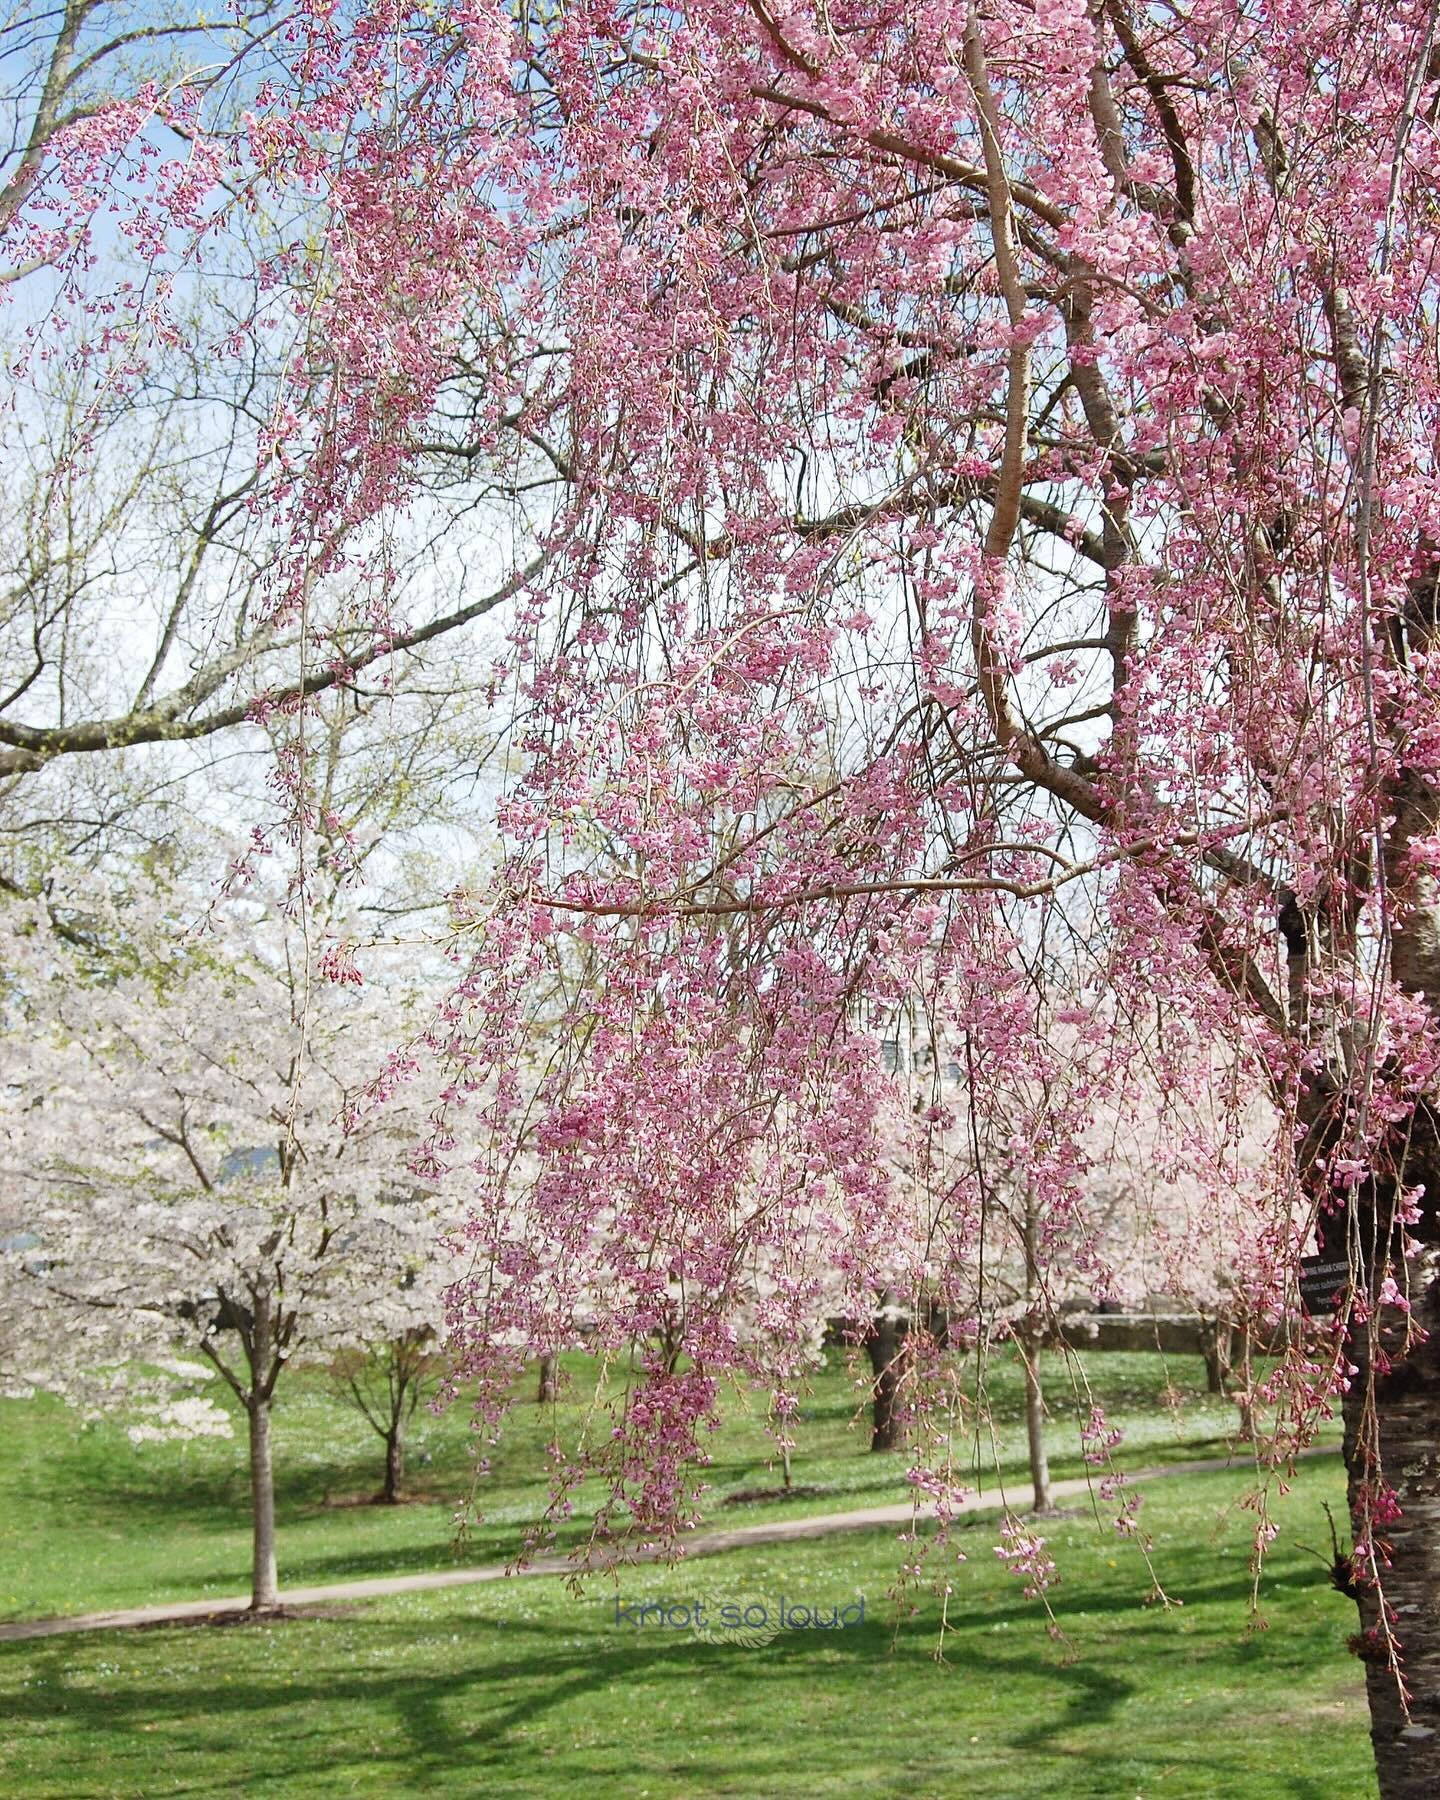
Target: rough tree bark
(549, 1379)
(1392, 1407)
(1405, 1429)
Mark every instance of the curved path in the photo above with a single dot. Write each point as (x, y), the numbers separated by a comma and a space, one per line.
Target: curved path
(706, 1543)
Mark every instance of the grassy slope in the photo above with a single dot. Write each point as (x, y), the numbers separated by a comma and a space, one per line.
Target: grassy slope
(88, 1520)
(523, 1689)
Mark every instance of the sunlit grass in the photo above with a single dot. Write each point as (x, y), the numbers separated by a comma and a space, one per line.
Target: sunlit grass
(523, 1688)
(89, 1520)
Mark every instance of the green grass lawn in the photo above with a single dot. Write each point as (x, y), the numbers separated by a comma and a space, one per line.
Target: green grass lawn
(89, 1520)
(522, 1688)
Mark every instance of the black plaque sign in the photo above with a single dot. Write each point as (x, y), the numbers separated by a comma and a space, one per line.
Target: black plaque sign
(1323, 1280)
(1340, 1261)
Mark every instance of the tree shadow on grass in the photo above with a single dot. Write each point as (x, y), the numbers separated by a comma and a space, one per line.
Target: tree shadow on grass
(556, 1690)
(538, 1679)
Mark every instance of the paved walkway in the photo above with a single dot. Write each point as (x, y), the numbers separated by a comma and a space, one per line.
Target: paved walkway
(708, 1543)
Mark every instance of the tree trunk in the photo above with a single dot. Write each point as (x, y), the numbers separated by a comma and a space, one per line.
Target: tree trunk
(549, 1379)
(1407, 1423)
(389, 1495)
(264, 1581)
(1029, 1345)
(1035, 1424)
(1217, 1356)
(1402, 1431)
(780, 1428)
(1246, 1396)
(886, 1343)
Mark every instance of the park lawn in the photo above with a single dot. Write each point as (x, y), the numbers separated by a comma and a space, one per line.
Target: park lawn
(89, 1520)
(521, 1688)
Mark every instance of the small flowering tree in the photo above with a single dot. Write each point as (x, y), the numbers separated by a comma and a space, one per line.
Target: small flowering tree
(175, 1131)
(385, 1379)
